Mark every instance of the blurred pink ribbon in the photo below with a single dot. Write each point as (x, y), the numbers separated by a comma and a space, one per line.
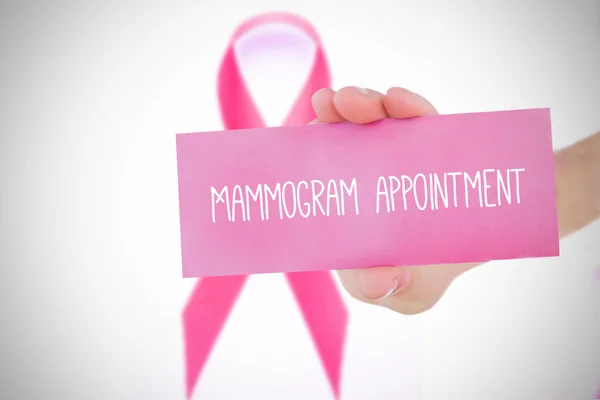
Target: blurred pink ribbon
(316, 292)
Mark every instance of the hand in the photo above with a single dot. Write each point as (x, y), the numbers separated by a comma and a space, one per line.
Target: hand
(411, 290)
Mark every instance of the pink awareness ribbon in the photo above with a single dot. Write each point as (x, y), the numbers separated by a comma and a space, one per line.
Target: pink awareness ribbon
(316, 292)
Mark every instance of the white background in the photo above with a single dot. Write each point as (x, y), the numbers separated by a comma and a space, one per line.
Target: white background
(91, 288)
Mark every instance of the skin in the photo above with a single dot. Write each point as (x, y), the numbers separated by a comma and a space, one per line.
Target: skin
(412, 290)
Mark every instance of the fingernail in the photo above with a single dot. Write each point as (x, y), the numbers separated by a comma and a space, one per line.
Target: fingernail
(399, 283)
(425, 103)
(362, 91)
(410, 92)
(405, 90)
(316, 95)
(319, 91)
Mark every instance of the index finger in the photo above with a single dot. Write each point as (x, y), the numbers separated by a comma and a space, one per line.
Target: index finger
(401, 103)
(356, 105)
(359, 106)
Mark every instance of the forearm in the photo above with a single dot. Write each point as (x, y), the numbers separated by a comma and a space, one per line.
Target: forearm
(577, 170)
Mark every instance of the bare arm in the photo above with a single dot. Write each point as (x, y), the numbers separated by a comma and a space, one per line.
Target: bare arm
(578, 184)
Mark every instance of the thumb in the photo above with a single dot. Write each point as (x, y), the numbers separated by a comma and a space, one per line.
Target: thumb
(407, 290)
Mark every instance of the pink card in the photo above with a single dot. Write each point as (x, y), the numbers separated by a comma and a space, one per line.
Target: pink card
(429, 190)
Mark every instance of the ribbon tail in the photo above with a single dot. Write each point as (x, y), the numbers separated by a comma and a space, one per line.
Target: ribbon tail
(203, 318)
(326, 316)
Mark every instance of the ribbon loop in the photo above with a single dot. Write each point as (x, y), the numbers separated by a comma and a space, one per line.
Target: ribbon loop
(212, 299)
